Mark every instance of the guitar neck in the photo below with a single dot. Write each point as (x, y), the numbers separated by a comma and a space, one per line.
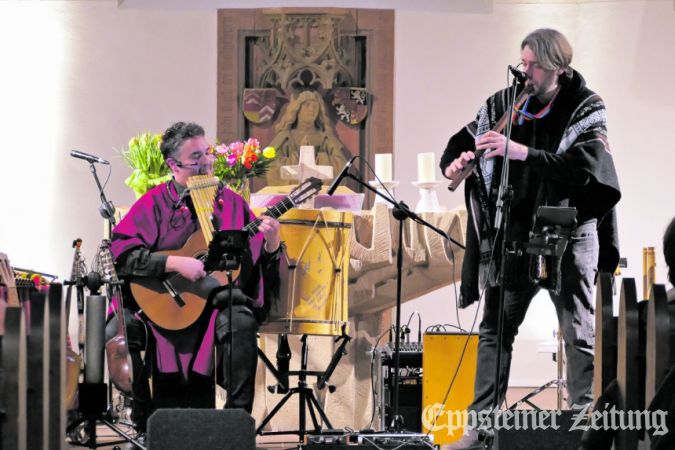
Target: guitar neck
(274, 211)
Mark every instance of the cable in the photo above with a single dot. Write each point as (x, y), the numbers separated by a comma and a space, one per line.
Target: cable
(412, 314)
(372, 381)
(419, 328)
(391, 196)
(466, 341)
(454, 286)
(443, 328)
(107, 179)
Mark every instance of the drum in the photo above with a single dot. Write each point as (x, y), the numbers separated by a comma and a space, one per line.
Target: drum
(314, 272)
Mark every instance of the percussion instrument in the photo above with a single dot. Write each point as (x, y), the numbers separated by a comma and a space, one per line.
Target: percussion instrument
(314, 272)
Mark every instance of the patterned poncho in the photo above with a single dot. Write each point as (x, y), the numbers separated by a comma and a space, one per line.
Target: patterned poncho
(569, 164)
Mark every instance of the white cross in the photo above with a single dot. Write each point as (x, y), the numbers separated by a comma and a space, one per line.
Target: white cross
(306, 167)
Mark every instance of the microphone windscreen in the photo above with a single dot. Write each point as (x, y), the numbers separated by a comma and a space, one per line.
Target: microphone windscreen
(94, 338)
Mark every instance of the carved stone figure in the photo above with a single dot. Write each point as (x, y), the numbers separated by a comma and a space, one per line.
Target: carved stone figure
(305, 122)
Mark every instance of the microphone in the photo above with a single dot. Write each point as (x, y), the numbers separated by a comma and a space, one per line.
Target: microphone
(518, 74)
(336, 182)
(87, 157)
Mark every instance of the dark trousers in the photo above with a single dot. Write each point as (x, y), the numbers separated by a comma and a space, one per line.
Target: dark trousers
(244, 355)
(575, 311)
(171, 390)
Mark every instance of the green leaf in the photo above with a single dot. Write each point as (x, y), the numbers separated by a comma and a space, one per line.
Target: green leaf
(144, 157)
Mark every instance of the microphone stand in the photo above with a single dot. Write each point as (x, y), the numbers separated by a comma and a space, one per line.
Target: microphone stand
(92, 393)
(225, 253)
(401, 211)
(107, 209)
(503, 210)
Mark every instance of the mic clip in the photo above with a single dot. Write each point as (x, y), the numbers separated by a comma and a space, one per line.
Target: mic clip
(107, 210)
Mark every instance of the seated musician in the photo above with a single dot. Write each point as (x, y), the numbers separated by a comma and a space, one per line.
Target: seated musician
(163, 219)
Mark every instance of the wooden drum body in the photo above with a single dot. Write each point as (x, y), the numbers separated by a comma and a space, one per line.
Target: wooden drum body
(314, 274)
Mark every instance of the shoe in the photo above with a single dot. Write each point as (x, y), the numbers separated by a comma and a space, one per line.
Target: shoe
(469, 441)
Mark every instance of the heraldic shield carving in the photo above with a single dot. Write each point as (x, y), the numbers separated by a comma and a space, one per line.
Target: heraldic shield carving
(350, 104)
(273, 58)
(260, 105)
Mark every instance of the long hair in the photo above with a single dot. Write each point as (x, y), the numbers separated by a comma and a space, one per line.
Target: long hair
(290, 116)
(551, 47)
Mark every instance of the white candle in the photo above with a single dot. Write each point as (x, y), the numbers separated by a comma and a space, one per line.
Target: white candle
(426, 167)
(383, 166)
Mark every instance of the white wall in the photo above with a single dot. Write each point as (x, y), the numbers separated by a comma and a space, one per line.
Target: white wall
(89, 75)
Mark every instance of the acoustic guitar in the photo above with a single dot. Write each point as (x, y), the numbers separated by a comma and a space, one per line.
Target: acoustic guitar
(74, 359)
(116, 349)
(174, 302)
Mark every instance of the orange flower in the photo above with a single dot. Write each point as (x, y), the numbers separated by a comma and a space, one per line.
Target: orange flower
(249, 159)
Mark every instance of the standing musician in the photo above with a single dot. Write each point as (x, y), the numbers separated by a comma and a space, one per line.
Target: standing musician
(560, 157)
(163, 219)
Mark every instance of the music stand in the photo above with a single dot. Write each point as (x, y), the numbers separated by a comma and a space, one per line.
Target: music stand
(225, 252)
(401, 212)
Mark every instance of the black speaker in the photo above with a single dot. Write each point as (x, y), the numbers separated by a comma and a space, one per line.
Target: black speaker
(546, 438)
(191, 429)
(410, 406)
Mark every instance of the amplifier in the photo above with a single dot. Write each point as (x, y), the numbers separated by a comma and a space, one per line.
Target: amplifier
(410, 354)
(404, 347)
(409, 387)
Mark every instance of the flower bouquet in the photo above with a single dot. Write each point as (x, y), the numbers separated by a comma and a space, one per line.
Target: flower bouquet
(145, 158)
(239, 161)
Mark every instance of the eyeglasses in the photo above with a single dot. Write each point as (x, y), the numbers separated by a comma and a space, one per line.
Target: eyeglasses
(196, 159)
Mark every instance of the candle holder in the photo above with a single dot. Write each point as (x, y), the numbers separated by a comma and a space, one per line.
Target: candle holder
(428, 199)
(389, 185)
